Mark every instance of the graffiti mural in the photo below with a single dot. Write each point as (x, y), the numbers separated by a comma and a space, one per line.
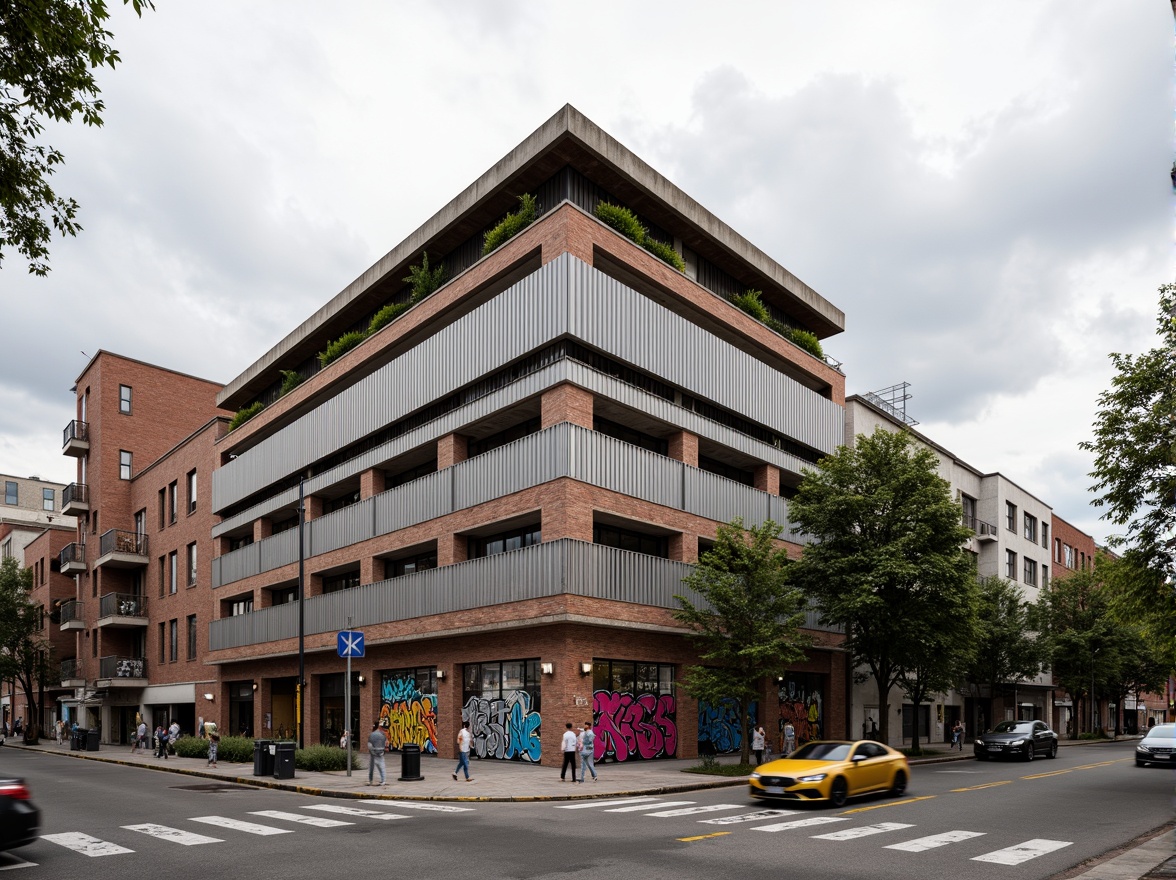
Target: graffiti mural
(719, 729)
(634, 727)
(409, 715)
(802, 701)
(503, 727)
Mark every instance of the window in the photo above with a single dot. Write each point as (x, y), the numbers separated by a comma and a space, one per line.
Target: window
(124, 465)
(1068, 555)
(722, 469)
(141, 522)
(192, 564)
(1010, 565)
(335, 583)
(632, 677)
(1030, 528)
(1082, 562)
(172, 562)
(1044, 575)
(162, 575)
(191, 491)
(969, 505)
(162, 642)
(1030, 576)
(173, 632)
(342, 501)
(238, 543)
(630, 435)
(1057, 549)
(624, 539)
(11, 495)
(48, 499)
(191, 636)
(284, 596)
(240, 606)
(498, 679)
(162, 508)
(124, 399)
(478, 447)
(1045, 535)
(395, 568)
(503, 541)
(1011, 515)
(173, 501)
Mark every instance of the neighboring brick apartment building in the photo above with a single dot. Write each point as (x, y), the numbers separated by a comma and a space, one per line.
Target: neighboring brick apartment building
(505, 486)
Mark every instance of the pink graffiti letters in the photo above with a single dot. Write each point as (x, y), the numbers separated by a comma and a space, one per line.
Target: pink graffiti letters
(632, 726)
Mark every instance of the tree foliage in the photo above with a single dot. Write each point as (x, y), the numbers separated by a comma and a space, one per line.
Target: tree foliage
(24, 652)
(1006, 648)
(886, 559)
(49, 50)
(747, 626)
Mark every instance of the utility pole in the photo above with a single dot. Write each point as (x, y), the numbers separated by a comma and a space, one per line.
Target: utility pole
(301, 607)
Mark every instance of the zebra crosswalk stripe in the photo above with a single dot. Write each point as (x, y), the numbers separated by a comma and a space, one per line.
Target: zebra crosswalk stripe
(863, 831)
(419, 805)
(1022, 852)
(800, 823)
(317, 821)
(640, 807)
(175, 835)
(690, 811)
(238, 825)
(592, 805)
(922, 844)
(354, 811)
(747, 817)
(85, 844)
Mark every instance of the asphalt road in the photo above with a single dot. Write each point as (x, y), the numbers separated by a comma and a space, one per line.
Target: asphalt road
(962, 819)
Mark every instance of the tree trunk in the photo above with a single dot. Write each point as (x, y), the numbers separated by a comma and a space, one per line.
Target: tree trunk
(883, 710)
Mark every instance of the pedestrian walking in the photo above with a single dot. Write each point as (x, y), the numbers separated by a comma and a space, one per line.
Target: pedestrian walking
(463, 752)
(173, 734)
(957, 735)
(161, 736)
(377, 744)
(789, 738)
(569, 753)
(213, 741)
(588, 753)
(140, 737)
(757, 745)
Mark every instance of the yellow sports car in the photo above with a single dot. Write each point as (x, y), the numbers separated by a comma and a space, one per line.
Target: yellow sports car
(832, 771)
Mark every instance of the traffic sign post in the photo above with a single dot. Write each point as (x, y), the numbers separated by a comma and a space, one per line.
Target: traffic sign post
(349, 644)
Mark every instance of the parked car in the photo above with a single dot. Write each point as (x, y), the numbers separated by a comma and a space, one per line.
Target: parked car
(832, 771)
(20, 820)
(1157, 747)
(1017, 739)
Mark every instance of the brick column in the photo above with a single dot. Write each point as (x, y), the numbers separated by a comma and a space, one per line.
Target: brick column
(262, 528)
(314, 508)
(567, 403)
(451, 449)
(767, 479)
(684, 447)
(451, 549)
(371, 482)
(370, 570)
(684, 547)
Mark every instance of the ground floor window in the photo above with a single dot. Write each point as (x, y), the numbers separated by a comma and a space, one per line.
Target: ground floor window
(240, 708)
(634, 710)
(408, 707)
(332, 718)
(802, 702)
(908, 721)
(501, 701)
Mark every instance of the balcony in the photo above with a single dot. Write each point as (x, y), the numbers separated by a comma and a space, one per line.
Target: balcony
(75, 499)
(71, 674)
(122, 611)
(72, 559)
(122, 549)
(985, 531)
(76, 439)
(122, 672)
(72, 616)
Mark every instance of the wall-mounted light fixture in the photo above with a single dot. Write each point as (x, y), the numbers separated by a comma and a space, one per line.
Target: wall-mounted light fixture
(585, 668)
(440, 674)
(255, 685)
(547, 668)
(208, 697)
(362, 681)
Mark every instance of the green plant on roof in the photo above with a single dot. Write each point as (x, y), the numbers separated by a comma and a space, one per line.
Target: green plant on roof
(425, 280)
(664, 252)
(800, 338)
(341, 346)
(750, 301)
(245, 414)
(512, 224)
(626, 223)
(291, 379)
(387, 315)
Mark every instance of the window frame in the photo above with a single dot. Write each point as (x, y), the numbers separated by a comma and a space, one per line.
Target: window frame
(125, 406)
(193, 562)
(173, 632)
(48, 495)
(192, 640)
(191, 491)
(126, 464)
(1011, 565)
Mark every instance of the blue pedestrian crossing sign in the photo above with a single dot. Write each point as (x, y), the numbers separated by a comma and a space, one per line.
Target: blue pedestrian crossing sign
(350, 643)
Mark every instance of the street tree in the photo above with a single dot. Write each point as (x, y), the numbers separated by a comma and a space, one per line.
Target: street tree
(1135, 471)
(49, 51)
(1006, 649)
(887, 552)
(24, 652)
(745, 618)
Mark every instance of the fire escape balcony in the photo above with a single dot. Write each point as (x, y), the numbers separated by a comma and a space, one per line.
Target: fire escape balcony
(75, 499)
(76, 439)
(72, 616)
(122, 549)
(72, 558)
(122, 611)
(71, 674)
(122, 672)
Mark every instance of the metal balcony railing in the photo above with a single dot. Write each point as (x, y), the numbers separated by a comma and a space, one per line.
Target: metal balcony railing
(72, 554)
(76, 430)
(71, 669)
(985, 530)
(71, 611)
(121, 541)
(122, 667)
(122, 605)
(75, 493)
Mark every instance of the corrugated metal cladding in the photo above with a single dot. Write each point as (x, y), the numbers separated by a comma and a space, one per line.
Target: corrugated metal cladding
(563, 450)
(564, 297)
(548, 569)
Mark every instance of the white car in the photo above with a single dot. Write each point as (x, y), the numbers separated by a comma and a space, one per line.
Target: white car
(1158, 747)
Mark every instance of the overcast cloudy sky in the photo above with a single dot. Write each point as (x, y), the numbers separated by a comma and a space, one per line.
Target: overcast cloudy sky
(982, 188)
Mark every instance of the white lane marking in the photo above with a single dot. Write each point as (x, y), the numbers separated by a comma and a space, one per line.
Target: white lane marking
(690, 811)
(923, 844)
(316, 821)
(747, 817)
(1022, 852)
(417, 805)
(354, 811)
(863, 831)
(238, 825)
(640, 807)
(175, 835)
(590, 805)
(85, 844)
(800, 823)
(10, 862)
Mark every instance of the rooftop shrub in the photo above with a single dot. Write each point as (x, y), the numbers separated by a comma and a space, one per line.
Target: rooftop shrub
(245, 414)
(387, 315)
(512, 224)
(291, 379)
(341, 346)
(626, 223)
(664, 252)
(750, 301)
(425, 280)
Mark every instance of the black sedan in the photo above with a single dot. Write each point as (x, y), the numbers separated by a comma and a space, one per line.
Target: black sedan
(1017, 739)
(19, 819)
(1157, 747)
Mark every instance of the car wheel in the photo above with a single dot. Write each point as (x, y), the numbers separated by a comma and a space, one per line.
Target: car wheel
(899, 785)
(1053, 749)
(839, 792)
(1030, 752)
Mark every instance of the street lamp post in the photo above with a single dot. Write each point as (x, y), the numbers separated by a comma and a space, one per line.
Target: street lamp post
(1093, 705)
(301, 606)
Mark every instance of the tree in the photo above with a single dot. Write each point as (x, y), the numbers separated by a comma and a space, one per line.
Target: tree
(49, 50)
(747, 624)
(886, 554)
(24, 654)
(1006, 649)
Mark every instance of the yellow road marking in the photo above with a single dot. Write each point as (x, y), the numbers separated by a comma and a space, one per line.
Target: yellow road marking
(985, 785)
(1100, 764)
(1044, 775)
(703, 836)
(909, 800)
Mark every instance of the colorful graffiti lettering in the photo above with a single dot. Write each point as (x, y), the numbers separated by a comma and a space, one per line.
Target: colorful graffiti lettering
(504, 728)
(719, 726)
(629, 726)
(802, 702)
(408, 715)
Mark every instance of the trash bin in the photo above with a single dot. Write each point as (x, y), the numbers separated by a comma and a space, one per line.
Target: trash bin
(92, 740)
(410, 763)
(283, 756)
(75, 739)
(263, 759)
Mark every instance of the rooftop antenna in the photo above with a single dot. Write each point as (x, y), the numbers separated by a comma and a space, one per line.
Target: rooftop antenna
(893, 400)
